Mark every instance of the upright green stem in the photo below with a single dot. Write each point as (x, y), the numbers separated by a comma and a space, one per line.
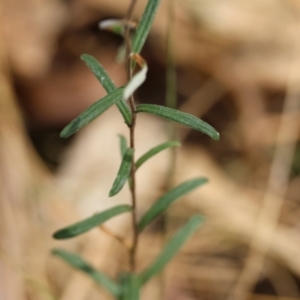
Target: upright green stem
(133, 250)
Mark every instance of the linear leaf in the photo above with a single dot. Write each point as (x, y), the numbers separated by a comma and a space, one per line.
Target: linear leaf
(107, 84)
(123, 144)
(123, 172)
(92, 112)
(123, 148)
(78, 263)
(171, 248)
(179, 117)
(144, 26)
(130, 287)
(99, 72)
(89, 223)
(167, 199)
(154, 151)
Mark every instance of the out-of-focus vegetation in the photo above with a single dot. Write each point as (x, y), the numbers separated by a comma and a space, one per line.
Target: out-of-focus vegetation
(237, 66)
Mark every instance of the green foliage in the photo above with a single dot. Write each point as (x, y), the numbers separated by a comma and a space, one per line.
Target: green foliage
(93, 112)
(128, 288)
(88, 224)
(179, 117)
(107, 84)
(78, 263)
(155, 151)
(171, 249)
(123, 144)
(123, 172)
(99, 72)
(144, 26)
(167, 199)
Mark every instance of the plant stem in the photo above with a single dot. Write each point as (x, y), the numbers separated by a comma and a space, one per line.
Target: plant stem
(133, 250)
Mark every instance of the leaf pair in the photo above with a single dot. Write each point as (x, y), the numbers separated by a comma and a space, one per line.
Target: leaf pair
(154, 211)
(107, 84)
(129, 288)
(117, 97)
(126, 164)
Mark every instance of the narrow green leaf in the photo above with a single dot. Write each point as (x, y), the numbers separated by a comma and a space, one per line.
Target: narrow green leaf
(179, 117)
(123, 148)
(78, 263)
(171, 248)
(125, 111)
(107, 84)
(87, 224)
(154, 151)
(130, 287)
(99, 72)
(167, 199)
(123, 172)
(123, 144)
(144, 26)
(92, 112)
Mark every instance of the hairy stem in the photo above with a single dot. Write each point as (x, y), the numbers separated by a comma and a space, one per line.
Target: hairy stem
(133, 249)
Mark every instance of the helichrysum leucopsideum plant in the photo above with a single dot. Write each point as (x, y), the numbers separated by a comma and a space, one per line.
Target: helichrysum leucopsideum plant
(128, 288)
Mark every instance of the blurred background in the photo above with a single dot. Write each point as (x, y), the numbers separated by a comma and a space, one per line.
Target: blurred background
(237, 66)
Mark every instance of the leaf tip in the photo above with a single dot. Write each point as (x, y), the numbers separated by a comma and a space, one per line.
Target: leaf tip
(71, 128)
(216, 136)
(57, 235)
(205, 179)
(84, 56)
(55, 251)
(111, 193)
(64, 134)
